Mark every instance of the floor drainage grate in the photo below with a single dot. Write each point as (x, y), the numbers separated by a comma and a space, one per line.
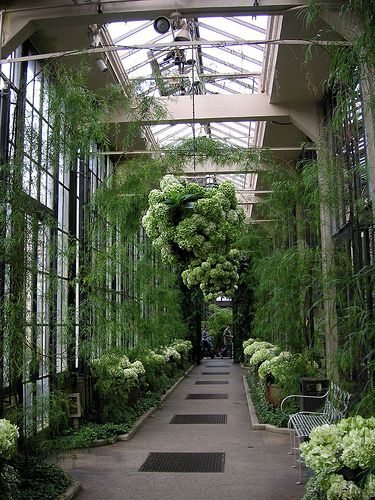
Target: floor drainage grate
(215, 373)
(217, 366)
(199, 419)
(211, 382)
(207, 396)
(184, 462)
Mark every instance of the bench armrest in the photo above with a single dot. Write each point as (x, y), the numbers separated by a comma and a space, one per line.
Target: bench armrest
(300, 396)
(309, 413)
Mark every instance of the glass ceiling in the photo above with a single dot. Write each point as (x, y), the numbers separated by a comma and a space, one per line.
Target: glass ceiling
(207, 69)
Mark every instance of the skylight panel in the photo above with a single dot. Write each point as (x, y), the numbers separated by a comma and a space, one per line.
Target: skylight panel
(223, 61)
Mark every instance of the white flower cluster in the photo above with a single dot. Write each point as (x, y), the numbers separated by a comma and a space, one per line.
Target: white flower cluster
(138, 367)
(247, 342)
(170, 353)
(182, 346)
(8, 438)
(216, 276)
(118, 367)
(273, 365)
(157, 358)
(263, 354)
(339, 488)
(255, 346)
(191, 224)
(348, 444)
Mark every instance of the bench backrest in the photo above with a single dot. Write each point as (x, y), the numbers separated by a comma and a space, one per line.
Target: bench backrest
(336, 404)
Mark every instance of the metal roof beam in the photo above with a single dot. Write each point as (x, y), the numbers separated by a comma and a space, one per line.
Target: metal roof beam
(254, 27)
(230, 65)
(210, 168)
(23, 19)
(232, 77)
(132, 32)
(225, 33)
(230, 108)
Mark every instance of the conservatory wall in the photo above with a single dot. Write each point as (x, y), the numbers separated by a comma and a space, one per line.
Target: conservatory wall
(70, 286)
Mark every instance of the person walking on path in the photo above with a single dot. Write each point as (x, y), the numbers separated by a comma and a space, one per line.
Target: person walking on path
(207, 343)
(227, 337)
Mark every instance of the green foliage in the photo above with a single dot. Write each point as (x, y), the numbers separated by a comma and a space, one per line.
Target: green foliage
(283, 281)
(84, 436)
(285, 275)
(80, 115)
(32, 479)
(266, 413)
(204, 149)
(366, 406)
(9, 483)
(294, 200)
(123, 422)
(218, 319)
(149, 312)
(286, 370)
(356, 324)
(351, 62)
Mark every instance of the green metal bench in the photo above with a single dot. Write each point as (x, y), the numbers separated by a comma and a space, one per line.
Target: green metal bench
(300, 424)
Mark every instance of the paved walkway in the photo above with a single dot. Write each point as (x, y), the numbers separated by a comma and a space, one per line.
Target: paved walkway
(257, 464)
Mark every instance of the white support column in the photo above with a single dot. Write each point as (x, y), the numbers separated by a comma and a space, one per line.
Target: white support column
(368, 89)
(329, 289)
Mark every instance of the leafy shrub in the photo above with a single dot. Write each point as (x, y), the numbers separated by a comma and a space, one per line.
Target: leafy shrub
(266, 413)
(251, 349)
(33, 479)
(286, 369)
(262, 355)
(9, 483)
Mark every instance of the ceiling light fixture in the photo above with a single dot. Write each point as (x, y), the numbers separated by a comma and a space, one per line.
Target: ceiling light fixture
(183, 35)
(102, 64)
(162, 25)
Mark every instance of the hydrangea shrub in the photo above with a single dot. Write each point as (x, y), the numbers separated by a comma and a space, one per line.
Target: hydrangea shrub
(263, 354)
(116, 370)
(247, 342)
(255, 346)
(342, 456)
(287, 366)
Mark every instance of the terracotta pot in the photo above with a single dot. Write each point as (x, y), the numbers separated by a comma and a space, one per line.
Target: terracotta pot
(133, 396)
(274, 394)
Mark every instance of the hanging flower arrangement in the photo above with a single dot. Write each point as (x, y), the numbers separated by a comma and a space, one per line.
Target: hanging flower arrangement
(196, 227)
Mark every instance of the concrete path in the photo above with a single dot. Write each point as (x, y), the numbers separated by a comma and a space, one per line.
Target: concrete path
(257, 464)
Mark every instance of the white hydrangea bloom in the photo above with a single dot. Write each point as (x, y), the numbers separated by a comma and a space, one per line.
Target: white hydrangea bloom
(171, 354)
(340, 489)
(247, 342)
(8, 438)
(138, 367)
(130, 374)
